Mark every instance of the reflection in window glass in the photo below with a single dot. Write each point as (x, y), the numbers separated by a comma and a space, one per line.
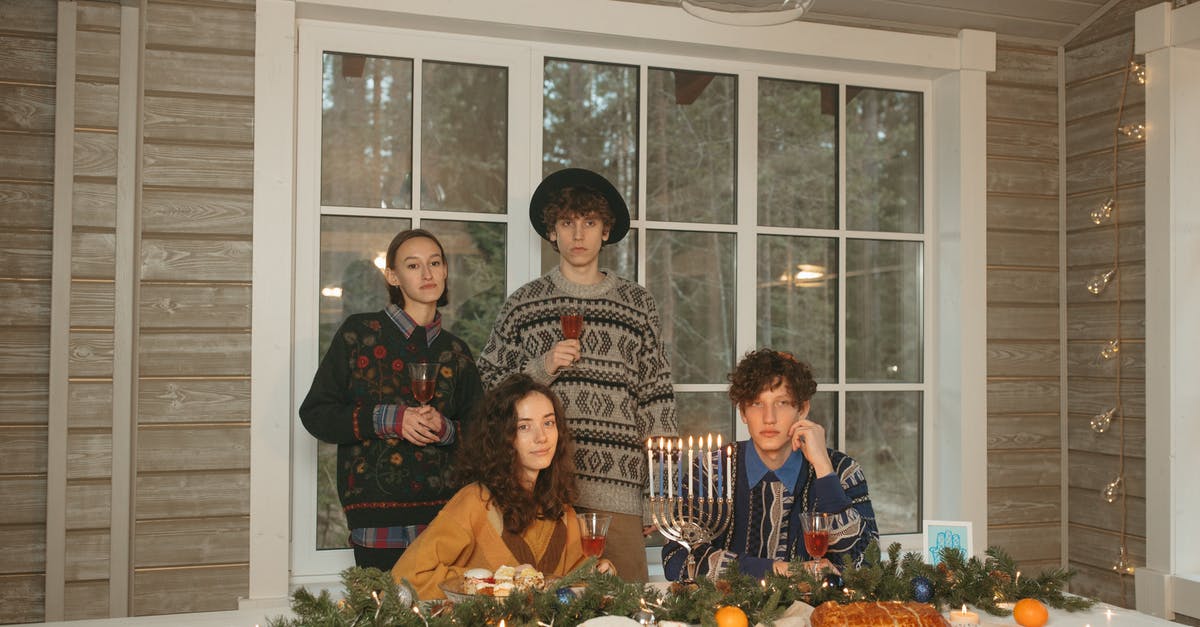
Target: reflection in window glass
(476, 280)
(823, 411)
(701, 413)
(883, 311)
(590, 120)
(692, 278)
(464, 137)
(353, 253)
(797, 154)
(366, 131)
(883, 160)
(691, 146)
(883, 434)
(798, 299)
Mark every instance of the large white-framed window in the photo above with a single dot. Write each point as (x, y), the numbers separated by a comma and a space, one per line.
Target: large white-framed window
(760, 252)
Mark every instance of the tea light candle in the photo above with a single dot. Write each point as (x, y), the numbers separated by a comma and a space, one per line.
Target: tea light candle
(963, 617)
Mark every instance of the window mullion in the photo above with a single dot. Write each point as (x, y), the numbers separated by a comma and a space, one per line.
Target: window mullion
(841, 317)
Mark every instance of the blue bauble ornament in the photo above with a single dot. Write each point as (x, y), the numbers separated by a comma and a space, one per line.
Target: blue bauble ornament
(922, 589)
(834, 580)
(565, 595)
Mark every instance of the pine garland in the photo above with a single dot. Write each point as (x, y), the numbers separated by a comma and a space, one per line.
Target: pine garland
(373, 599)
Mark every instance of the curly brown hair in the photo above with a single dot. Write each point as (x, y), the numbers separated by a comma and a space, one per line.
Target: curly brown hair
(576, 202)
(765, 369)
(395, 294)
(489, 457)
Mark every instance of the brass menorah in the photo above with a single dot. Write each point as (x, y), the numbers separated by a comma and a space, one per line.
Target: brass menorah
(687, 511)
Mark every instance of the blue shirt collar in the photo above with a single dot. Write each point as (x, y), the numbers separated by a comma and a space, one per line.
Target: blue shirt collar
(788, 473)
(407, 325)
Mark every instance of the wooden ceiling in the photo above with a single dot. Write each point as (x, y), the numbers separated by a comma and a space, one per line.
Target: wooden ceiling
(1040, 21)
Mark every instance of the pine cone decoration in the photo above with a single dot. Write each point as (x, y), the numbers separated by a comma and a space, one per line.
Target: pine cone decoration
(1001, 577)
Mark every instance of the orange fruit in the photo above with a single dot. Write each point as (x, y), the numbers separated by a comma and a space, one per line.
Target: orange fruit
(1030, 613)
(731, 616)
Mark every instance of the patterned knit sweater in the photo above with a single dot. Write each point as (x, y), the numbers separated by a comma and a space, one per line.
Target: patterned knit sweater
(766, 519)
(617, 394)
(387, 481)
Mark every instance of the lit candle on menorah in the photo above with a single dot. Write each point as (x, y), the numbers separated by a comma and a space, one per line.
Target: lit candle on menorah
(699, 510)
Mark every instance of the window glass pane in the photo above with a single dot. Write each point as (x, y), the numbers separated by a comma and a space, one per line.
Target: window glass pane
(590, 120)
(883, 433)
(475, 260)
(883, 311)
(692, 278)
(353, 250)
(464, 137)
(883, 160)
(822, 409)
(798, 299)
(701, 413)
(797, 154)
(691, 146)
(366, 131)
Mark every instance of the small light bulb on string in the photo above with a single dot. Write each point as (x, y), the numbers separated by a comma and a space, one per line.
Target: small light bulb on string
(1136, 131)
(1099, 282)
(1124, 565)
(1103, 213)
(1139, 72)
(1111, 349)
(1102, 420)
(1111, 490)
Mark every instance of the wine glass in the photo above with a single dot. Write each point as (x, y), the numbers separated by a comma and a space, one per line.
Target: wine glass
(424, 376)
(816, 526)
(593, 530)
(571, 319)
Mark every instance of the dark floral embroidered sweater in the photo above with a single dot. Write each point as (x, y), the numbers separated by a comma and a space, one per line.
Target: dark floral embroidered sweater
(384, 480)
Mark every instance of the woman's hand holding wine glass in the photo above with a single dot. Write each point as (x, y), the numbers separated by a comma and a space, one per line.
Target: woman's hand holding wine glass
(422, 423)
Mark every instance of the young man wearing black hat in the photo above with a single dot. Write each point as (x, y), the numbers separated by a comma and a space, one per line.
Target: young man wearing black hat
(615, 381)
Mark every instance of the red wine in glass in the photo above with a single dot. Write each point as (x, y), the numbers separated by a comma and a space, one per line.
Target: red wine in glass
(816, 543)
(593, 546)
(572, 324)
(423, 390)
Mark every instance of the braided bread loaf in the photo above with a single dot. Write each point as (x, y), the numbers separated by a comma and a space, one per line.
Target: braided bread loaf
(878, 614)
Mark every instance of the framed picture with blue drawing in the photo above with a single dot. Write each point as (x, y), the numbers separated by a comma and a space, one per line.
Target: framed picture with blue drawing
(940, 534)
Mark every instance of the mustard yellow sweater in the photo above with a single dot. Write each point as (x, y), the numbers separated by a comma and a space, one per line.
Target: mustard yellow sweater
(467, 534)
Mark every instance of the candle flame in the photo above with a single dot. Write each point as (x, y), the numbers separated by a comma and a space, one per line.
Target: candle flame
(964, 607)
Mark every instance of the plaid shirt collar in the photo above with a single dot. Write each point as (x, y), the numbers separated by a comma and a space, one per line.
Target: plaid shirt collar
(407, 325)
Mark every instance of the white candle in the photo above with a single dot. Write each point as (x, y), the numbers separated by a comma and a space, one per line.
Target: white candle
(708, 463)
(963, 617)
(650, 464)
(729, 472)
(670, 484)
(691, 478)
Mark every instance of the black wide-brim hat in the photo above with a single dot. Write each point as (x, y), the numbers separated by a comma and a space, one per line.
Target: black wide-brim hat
(579, 177)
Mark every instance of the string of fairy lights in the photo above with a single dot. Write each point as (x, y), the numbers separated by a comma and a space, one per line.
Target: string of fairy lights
(1114, 491)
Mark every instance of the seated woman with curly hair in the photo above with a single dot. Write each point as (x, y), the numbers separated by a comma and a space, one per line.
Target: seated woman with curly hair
(516, 505)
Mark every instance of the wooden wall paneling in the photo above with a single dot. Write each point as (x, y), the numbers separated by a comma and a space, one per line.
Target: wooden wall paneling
(92, 304)
(1091, 396)
(96, 105)
(25, 255)
(192, 495)
(1012, 358)
(1101, 583)
(1101, 548)
(1015, 176)
(195, 259)
(1025, 65)
(1011, 102)
(1084, 360)
(96, 154)
(88, 557)
(1132, 285)
(94, 204)
(1093, 470)
(186, 400)
(1021, 285)
(23, 450)
(86, 599)
(1098, 320)
(30, 16)
(174, 306)
(201, 589)
(24, 303)
(191, 165)
(24, 500)
(24, 401)
(1100, 95)
(1026, 543)
(191, 119)
(24, 597)
(24, 550)
(1083, 438)
(89, 504)
(197, 541)
(98, 15)
(27, 108)
(26, 351)
(198, 73)
(1099, 58)
(25, 58)
(1015, 322)
(91, 354)
(1036, 396)
(212, 447)
(1131, 206)
(1024, 504)
(1094, 171)
(1094, 247)
(89, 454)
(93, 255)
(1097, 133)
(211, 212)
(89, 404)
(1020, 139)
(1022, 248)
(27, 157)
(27, 205)
(199, 26)
(1022, 211)
(1010, 469)
(1118, 19)
(99, 54)
(1033, 431)
(1088, 508)
(207, 354)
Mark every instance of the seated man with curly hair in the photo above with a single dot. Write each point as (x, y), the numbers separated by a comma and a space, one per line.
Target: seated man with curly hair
(783, 470)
